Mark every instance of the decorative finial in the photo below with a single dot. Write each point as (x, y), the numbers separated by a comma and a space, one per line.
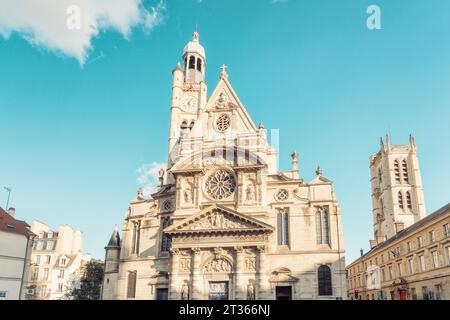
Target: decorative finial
(161, 177)
(223, 73)
(319, 171)
(195, 36)
(261, 126)
(140, 194)
(381, 141)
(294, 156)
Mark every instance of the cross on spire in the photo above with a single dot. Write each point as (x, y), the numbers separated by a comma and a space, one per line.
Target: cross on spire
(223, 73)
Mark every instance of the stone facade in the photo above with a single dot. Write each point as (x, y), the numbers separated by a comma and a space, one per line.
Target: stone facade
(225, 223)
(410, 254)
(413, 265)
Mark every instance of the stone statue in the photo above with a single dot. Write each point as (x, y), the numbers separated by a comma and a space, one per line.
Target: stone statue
(249, 192)
(185, 291)
(187, 195)
(250, 291)
(140, 194)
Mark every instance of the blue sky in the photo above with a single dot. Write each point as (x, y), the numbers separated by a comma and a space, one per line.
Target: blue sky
(73, 137)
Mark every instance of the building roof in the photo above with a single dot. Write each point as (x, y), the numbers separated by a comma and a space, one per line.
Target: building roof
(114, 241)
(411, 229)
(9, 224)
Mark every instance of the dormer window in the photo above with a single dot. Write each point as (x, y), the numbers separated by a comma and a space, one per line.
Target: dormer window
(62, 261)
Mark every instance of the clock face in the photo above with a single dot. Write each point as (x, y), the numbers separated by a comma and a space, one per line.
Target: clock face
(189, 104)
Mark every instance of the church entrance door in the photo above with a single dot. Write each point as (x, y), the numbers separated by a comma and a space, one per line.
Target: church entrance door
(283, 293)
(218, 290)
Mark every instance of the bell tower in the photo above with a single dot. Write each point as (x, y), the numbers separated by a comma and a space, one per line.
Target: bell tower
(194, 60)
(397, 192)
(189, 95)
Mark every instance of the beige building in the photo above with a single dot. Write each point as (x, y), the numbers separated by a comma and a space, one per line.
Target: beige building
(16, 240)
(56, 261)
(225, 223)
(410, 255)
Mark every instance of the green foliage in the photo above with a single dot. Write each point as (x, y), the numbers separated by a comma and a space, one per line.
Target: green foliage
(90, 284)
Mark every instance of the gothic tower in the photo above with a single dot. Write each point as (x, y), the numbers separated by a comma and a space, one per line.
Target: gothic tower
(189, 94)
(397, 192)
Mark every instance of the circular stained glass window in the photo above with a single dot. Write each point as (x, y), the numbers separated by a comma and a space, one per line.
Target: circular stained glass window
(220, 185)
(223, 123)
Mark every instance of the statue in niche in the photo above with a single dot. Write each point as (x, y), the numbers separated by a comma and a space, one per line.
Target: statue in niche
(185, 291)
(249, 191)
(250, 291)
(187, 193)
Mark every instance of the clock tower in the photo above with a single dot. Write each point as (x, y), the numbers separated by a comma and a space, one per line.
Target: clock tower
(189, 95)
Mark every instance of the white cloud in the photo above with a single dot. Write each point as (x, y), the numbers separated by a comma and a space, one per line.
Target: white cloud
(43, 23)
(148, 176)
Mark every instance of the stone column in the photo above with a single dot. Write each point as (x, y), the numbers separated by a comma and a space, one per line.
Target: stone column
(263, 275)
(173, 279)
(196, 274)
(239, 289)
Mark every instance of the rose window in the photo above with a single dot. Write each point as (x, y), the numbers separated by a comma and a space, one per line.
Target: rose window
(223, 123)
(220, 185)
(281, 195)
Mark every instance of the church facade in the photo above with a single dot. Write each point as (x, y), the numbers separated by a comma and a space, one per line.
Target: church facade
(225, 223)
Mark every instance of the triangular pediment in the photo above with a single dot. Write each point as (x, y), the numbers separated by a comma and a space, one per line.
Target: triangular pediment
(218, 219)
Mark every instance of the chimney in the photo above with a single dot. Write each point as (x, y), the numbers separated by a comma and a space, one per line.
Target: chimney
(12, 212)
(373, 243)
(380, 239)
(399, 226)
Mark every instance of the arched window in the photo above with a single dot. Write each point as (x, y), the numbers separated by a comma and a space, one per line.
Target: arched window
(380, 177)
(324, 281)
(397, 171)
(405, 171)
(131, 285)
(283, 227)
(318, 227)
(400, 200)
(408, 200)
(192, 63)
(165, 241)
(322, 227)
(199, 64)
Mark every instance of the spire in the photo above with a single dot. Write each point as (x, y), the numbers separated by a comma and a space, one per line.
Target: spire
(114, 241)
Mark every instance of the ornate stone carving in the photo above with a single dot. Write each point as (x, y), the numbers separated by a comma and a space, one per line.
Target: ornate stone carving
(185, 264)
(220, 185)
(196, 251)
(222, 100)
(174, 251)
(217, 221)
(250, 263)
(218, 266)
